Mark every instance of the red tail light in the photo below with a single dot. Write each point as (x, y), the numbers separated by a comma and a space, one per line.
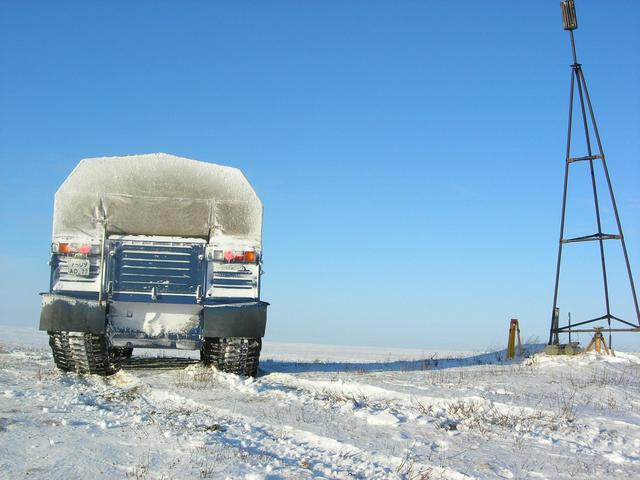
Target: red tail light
(67, 248)
(248, 256)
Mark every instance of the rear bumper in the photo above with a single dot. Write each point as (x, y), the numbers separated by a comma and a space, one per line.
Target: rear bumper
(64, 313)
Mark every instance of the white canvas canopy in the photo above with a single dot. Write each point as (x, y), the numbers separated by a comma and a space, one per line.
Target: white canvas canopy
(155, 194)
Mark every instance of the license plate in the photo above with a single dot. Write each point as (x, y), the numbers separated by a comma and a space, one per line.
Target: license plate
(78, 267)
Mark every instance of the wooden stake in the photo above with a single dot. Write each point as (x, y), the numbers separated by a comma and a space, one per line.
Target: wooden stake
(514, 332)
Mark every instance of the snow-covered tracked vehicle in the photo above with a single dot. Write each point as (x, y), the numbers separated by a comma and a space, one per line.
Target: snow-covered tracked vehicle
(155, 251)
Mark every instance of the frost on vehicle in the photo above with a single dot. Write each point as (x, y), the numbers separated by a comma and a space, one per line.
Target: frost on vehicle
(155, 251)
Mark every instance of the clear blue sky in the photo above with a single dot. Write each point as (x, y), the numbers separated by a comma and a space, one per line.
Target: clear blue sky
(409, 154)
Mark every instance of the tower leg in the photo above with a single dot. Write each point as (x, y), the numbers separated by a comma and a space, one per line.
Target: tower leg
(553, 333)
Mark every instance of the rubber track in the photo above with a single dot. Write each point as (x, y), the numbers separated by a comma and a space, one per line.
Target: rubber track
(59, 343)
(85, 353)
(239, 355)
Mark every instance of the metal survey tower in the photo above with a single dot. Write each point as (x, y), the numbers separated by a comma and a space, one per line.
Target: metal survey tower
(588, 118)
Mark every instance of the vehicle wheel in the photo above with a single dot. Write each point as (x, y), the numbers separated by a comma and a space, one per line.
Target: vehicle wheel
(239, 355)
(86, 353)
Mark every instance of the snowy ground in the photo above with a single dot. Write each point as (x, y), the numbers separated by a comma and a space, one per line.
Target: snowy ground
(322, 412)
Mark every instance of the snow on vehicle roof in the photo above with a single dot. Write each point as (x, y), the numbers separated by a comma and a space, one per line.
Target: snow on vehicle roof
(155, 194)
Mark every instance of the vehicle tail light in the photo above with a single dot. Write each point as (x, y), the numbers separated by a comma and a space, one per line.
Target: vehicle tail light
(66, 248)
(248, 256)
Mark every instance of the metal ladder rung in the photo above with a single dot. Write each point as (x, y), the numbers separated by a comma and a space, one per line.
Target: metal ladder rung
(587, 157)
(591, 238)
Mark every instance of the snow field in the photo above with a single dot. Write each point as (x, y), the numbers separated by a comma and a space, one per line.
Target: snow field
(308, 416)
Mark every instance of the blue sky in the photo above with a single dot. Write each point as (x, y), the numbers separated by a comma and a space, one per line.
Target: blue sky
(409, 154)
